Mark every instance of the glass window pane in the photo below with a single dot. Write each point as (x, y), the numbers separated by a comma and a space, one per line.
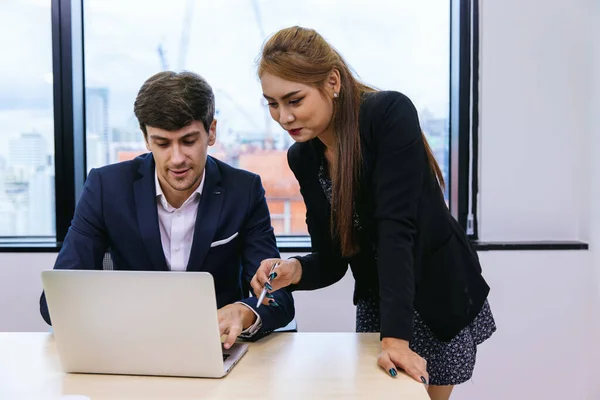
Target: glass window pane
(27, 206)
(401, 45)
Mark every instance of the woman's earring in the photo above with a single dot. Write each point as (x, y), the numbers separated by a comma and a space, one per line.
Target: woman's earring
(335, 95)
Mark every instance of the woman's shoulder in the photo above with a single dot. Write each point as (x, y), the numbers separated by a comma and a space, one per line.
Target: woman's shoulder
(378, 103)
(301, 155)
(385, 111)
(297, 150)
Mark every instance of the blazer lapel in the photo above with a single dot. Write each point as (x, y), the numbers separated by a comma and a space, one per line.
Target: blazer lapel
(144, 192)
(314, 159)
(207, 220)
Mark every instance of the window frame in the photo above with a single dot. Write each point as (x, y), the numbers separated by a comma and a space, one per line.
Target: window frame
(464, 115)
(69, 123)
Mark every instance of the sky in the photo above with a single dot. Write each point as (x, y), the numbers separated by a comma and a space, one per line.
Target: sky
(392, 44)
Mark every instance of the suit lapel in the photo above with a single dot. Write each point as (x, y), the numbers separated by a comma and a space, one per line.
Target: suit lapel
(144, 192)
(209, 211)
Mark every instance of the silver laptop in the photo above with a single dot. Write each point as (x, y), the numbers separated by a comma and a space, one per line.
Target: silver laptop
(138, 323)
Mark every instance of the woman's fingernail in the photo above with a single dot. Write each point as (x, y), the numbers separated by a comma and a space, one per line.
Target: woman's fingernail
(268, 286)
(270, 296)
(424, 380)
(272, 276)
(273, 303)
(393, 372)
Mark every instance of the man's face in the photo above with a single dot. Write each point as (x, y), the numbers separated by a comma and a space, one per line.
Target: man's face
(180, 157)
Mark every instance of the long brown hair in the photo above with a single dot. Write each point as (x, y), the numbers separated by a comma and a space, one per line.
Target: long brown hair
(302, 55)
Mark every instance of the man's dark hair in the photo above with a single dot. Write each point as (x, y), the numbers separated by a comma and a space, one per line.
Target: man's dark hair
(171, 100)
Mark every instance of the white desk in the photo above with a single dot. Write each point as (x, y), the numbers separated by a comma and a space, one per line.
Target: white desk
(282, 366)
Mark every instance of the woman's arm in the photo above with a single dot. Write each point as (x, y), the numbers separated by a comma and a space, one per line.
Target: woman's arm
(320, 268)
(324, 266)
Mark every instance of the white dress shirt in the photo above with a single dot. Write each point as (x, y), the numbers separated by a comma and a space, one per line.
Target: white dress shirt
(177, 234)
(177, 226)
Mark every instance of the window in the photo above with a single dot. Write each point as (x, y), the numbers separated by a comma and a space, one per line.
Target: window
(401, 45)
(27, 205)
(71, 70)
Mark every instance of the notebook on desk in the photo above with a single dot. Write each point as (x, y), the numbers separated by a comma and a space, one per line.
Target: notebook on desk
(138, 323)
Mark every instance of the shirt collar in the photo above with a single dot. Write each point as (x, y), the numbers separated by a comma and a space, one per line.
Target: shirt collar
(163, 200)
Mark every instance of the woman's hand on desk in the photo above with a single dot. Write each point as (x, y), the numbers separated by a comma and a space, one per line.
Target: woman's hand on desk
(287, 272)
(395, 353)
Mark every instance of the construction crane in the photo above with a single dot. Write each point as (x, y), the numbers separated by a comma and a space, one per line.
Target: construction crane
(183, 52)
(269, 141)
(185, 33)
(258, 18)
(184, 41)
(162, 56)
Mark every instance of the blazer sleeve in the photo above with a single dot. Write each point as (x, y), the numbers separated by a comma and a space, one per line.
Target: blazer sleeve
(86, 242)
(325, 265)
(400, 162)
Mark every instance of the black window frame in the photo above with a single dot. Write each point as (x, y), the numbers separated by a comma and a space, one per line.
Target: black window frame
(70, 138)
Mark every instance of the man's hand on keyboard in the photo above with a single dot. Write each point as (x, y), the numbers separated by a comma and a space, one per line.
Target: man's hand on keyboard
(233, 319)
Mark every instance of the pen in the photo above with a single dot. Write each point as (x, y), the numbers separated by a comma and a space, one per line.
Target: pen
(264, 291)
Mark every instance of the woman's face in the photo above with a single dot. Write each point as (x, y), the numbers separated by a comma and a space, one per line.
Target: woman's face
(302, 110)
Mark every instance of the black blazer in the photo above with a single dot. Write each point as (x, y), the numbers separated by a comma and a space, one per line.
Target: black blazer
(414, 255)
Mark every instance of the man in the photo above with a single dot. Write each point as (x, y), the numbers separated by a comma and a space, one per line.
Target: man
(178, 209)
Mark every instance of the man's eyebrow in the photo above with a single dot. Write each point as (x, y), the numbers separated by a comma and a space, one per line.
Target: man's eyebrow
(190, 134)
(158, 137)
(186, 136)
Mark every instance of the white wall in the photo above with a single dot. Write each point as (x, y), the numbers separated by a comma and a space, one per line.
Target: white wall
(20, 290)
(594, 192)
(594, 148)
(540, 180)
(542, 302)
(535, 72)
(327, 310)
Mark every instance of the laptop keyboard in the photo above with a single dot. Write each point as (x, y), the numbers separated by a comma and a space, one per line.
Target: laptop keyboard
(225, 356)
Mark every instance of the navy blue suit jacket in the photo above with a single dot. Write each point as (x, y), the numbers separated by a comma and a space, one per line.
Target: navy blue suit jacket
(118, 212)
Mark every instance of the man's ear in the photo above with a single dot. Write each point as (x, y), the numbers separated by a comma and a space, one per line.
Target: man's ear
(212, 133)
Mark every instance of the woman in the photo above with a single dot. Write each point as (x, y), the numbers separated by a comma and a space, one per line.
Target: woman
(373, 195)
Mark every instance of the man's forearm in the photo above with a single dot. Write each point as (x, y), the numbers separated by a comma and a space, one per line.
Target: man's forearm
(248, 316)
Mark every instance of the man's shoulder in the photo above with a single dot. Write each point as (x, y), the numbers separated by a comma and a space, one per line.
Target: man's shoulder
(231, 174)
(124, 170)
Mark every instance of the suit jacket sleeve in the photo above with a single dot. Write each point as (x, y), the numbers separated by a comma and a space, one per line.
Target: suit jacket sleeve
(260, 244)
(86, 242)
(398, 175)
(325, 265)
